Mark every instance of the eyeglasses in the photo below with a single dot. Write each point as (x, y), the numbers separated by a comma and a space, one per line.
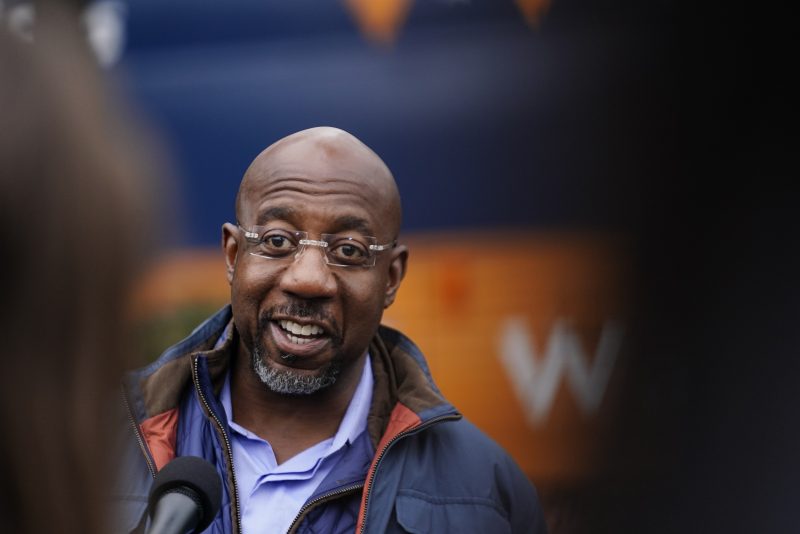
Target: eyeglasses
(340, 250)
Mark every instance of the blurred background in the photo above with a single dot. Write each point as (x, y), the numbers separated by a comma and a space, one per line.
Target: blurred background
(578, 283)
(498, 120)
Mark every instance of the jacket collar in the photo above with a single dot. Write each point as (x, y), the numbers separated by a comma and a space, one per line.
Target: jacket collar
(402, 377)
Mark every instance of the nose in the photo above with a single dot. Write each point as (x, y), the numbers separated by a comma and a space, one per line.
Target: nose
(309, 276)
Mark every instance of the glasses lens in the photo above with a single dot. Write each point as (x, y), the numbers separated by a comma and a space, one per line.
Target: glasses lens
(276, 244)
(349, 251)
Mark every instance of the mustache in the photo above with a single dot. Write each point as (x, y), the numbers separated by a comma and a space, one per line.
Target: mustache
(305, 309)
(300, 309)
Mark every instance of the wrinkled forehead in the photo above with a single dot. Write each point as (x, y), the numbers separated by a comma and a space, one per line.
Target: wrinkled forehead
(347, 190)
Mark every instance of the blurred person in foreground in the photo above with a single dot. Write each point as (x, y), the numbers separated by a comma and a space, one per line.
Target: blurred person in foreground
(70, 229)
(317, 417)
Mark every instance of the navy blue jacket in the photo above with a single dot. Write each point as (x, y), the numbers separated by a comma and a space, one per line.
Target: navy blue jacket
(419, 466)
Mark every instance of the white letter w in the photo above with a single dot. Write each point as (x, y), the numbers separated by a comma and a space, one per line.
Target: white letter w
(536, 379)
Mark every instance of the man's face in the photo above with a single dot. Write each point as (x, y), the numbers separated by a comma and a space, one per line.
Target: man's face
(301, 320)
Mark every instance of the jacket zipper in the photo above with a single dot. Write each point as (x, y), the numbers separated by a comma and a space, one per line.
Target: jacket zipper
(228, 448)
(318, 500)
(137, 432)
(322, 498)
(403, 434)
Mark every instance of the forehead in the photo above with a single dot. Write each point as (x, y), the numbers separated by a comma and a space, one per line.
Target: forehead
(328, 194)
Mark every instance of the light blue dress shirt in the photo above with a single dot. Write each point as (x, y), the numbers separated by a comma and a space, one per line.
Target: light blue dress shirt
(271, 495)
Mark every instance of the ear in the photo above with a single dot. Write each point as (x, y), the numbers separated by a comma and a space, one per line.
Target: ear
(397, 270)
(230, 247)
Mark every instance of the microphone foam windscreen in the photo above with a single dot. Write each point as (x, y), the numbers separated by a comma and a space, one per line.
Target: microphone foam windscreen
(193, 473)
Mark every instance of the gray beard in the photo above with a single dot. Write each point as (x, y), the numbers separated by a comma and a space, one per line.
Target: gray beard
(289, 382)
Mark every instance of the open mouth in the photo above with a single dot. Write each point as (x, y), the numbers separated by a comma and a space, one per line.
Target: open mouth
(301, 340)
(300, 334)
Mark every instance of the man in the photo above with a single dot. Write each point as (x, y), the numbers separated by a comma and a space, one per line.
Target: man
(317, 418)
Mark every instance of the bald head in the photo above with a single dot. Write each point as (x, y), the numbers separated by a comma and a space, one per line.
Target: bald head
(316, 244)
(316, 162)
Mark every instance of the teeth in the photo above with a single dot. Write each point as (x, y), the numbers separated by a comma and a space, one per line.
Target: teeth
(300, 330)
(299, 340)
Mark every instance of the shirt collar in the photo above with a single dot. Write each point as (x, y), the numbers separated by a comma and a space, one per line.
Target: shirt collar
(353, 423)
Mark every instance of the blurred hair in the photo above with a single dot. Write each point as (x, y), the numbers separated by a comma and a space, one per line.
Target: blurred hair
(72, 225)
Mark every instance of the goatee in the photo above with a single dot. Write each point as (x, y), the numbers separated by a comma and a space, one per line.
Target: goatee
(290, 381)
(287, 381)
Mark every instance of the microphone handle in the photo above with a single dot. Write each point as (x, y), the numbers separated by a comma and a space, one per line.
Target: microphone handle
(175, 513)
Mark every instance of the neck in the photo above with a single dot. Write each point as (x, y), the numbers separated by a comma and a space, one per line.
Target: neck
(290, 423)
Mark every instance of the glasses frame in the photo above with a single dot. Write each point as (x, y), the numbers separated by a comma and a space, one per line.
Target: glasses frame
(254, 236)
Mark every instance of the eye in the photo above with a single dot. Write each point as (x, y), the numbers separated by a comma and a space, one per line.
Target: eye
(277, 241)
(348, 251)
(277, 244)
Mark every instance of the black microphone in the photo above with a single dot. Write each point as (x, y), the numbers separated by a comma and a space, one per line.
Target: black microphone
(185, 497)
